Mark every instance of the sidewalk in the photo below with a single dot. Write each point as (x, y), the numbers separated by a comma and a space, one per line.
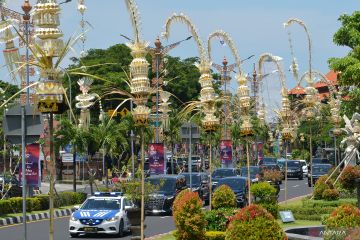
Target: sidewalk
(60, 187)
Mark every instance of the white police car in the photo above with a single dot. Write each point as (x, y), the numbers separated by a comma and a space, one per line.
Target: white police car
(101, 213)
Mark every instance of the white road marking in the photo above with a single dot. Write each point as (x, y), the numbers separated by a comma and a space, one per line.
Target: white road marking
(164, 217)
(282, 189)
(296, 186)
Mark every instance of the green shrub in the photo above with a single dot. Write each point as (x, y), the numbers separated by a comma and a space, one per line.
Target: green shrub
(44, 201)
(345, 216)
(331, 194)
(223, 197)
(69, 198)
(32, 204)
(321, 186)
(263, 191)
(217, 219)
(5, 207)
(348, 177)
(189, 216)
(254, 222)
(271, 207)
(215, 235)
(16, 204)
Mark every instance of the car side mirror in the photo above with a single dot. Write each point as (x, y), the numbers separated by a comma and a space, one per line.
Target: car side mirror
(127, 208)
(77, 207)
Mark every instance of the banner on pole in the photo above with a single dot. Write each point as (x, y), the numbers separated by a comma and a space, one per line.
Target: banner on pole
(32, 165)
(156, 158)
(226, 151)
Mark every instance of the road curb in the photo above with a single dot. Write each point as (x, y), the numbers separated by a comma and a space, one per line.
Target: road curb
(295, 198)
(34, 217)
(157, 236)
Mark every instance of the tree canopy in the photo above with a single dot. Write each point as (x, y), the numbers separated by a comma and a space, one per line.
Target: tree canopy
(348, 67)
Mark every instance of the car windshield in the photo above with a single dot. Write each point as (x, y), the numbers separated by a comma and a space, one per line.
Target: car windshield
(270, 167)
(195, 179)
(234, 184)
(319, 160)
(321, 170)
(253, 171)
(163, 184)
(269, 160)
(101, 204)
(221, 173)
(293, 163)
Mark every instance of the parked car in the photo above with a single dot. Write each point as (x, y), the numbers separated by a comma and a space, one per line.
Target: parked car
(239, 187)
(268, 160)
(222, 173)
(200, 184)
(304, 167)
(294, 169)
(7, 181)
(160, 202)
(318, 170)
(103, 213)
(254, 173)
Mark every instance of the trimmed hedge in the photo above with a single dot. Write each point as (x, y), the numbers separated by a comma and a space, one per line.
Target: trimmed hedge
(40, 202)
(215, 235)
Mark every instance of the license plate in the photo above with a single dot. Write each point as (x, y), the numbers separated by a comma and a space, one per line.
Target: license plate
(90, 229)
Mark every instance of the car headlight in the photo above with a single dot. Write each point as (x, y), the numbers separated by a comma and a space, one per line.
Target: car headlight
(170, 198)
(74, 219)
(113, 219)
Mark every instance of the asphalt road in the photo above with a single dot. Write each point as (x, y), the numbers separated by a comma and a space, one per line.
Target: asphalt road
(155, 224)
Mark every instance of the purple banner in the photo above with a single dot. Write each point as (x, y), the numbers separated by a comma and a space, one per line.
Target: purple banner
(226, 151)
(156, 158)
(32, 165)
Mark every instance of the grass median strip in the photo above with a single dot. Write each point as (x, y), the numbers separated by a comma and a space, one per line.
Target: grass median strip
(33, 212)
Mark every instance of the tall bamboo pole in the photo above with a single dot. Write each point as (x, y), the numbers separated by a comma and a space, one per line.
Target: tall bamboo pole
(248, 167)
(210, 169)
(142, 185)
(286, 169)
(52, 168)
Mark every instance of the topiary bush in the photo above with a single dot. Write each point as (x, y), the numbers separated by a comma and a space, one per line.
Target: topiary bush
(265, 196)
(331, 194)
(189, 216)
(223, 197)
(345, 216)
(217, 219)
(254, 223)
(215, 235)
(321, 186)
(348, 177)
(44, 201)
(263, 191)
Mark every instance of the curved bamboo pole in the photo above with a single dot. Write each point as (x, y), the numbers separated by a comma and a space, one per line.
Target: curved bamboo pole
(265, 57)
(182, 18)
(301, 23)
(134, 18)
(228, 40)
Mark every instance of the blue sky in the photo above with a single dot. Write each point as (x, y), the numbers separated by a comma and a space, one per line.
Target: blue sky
(255, 25)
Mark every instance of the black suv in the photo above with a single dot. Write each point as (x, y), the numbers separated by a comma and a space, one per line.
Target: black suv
(200, 184)
(239, 187)
(318, 170)
(254, 173)
(15, 190)
(294, 169)
(221, 173)
(161, 201)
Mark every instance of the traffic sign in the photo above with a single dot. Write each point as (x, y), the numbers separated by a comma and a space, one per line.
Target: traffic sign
(67, 157)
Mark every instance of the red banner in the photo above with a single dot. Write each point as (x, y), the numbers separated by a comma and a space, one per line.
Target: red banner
(156, 158)
(32, 165)
(226, 151)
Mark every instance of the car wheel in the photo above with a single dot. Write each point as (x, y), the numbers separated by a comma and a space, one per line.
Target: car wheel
(121, 229)
(74, 235)
(301, 177)
(309, 184)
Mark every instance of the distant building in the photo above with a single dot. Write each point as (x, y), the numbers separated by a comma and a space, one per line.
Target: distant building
(298, 92)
